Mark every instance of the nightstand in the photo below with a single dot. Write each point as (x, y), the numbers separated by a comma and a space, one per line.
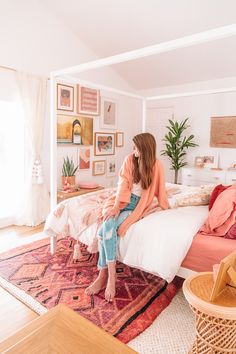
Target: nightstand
(215, 320)
(61, 195)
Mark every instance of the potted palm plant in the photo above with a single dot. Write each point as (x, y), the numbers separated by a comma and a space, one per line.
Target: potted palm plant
(68, 171)
(177, 144)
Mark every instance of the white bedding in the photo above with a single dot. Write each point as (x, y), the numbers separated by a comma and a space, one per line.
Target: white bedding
(159, 242)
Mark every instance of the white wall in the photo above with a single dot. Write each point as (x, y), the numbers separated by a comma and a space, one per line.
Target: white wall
(200, 109)
(34, 41)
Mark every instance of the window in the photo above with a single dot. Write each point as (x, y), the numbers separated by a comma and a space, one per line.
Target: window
(11, 159)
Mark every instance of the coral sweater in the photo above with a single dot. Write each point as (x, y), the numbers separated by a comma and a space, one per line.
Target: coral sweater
(123, 194)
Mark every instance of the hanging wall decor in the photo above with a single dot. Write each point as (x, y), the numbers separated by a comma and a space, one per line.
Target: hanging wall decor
(88, 101)
(223, 132)
(108, 118)
(104, 144)
(119, 139)
(111, 167)
(74, 130)
(65, 98)
(99, 167)
(84, 158)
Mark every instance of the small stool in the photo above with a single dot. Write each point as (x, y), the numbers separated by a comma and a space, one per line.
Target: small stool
(215, 320)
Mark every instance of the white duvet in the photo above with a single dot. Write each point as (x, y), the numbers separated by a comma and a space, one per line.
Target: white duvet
(159, 242)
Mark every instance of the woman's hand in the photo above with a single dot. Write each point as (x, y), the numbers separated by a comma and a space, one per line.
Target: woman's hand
(113, 212)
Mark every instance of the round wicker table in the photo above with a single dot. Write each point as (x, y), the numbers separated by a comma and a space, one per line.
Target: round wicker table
(215, 321)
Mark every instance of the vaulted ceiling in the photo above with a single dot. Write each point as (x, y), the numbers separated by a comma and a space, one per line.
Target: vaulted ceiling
(111, 27)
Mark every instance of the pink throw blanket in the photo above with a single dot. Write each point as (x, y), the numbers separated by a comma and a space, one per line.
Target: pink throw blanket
(75, 215)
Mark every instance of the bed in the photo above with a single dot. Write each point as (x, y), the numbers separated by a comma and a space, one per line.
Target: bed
(207, 250)
(162, 243)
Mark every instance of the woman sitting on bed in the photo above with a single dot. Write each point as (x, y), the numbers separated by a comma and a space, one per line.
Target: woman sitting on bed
(141, 178)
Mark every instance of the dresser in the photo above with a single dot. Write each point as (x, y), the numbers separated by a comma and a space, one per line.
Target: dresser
(191, 176)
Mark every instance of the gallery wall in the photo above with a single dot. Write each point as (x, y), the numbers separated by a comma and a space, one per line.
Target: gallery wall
(128, 122)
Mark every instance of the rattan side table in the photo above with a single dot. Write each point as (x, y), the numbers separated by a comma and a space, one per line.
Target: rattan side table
(215, 321)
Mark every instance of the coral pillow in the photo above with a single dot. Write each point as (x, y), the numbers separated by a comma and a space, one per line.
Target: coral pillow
(232, 232)
(216, 191)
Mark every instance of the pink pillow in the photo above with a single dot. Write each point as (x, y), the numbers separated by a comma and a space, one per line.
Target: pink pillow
(216, 191)
(232, 232)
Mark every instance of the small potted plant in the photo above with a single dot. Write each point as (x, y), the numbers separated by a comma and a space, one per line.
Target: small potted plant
(68, 172)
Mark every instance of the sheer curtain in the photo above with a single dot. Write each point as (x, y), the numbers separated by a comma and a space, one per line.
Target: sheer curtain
(11, 148)
(35, 197)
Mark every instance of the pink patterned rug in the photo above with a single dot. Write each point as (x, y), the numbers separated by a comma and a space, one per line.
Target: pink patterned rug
(42, 281)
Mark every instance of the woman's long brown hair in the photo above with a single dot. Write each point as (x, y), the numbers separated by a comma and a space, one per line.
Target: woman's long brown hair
(143, 165)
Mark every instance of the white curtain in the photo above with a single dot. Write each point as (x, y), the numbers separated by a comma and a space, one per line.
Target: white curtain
(35, 197)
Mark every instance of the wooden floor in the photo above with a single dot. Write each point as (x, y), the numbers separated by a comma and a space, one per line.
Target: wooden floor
(13, 313)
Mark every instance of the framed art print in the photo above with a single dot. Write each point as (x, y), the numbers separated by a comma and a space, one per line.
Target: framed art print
(223, 132)
(108, 118)
(88, 100)
(65, 98)
(74, 130)
(111, 167)
(119, 139)
(211, 160)
(104, 144)
(99, 167)
(84, 158)
(199, 162)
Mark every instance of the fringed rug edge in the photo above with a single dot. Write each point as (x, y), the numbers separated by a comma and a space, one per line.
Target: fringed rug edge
(22, 296)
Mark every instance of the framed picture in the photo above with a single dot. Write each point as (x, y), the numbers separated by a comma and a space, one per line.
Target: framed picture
(108, 118)
(199, 162)
(88, 100)
(99, 167)
(104, 144)
(211, 160)
(119, 139)
(65, 98)
(111, 167)
(223, 132)
(84, 158)
(74, 130)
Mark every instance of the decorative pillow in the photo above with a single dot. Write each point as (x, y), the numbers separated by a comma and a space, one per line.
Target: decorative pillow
(217, 190)
(194, 199)
(232, 232)
(195, 196)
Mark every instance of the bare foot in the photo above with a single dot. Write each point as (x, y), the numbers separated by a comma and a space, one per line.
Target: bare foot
(98, 283)
(110, 291)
